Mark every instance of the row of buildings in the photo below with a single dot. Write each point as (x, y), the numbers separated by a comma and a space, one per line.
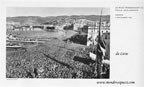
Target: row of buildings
(79, 25)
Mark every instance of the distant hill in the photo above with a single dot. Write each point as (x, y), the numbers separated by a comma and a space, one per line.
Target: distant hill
(56, 19)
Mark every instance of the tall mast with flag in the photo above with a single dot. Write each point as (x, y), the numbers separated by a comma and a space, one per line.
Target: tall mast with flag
(100, 52)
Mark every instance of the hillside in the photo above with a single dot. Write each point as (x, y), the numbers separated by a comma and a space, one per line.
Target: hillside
(55, 19)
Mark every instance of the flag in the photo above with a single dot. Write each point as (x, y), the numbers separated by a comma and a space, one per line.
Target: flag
(101, 47)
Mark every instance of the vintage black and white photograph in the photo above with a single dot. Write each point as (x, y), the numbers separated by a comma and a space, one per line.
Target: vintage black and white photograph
(58, 42)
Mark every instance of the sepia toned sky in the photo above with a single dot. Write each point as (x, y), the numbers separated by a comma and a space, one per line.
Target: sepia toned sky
(54, 11)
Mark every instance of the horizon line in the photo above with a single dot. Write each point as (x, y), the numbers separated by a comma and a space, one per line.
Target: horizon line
(57, 15)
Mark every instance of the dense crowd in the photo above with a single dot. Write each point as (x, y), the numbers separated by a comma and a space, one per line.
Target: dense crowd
(49, 61)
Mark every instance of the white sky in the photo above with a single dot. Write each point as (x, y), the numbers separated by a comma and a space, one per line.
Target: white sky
(54, 11)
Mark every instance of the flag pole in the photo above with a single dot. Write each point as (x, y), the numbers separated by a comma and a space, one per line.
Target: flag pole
(99, 56)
